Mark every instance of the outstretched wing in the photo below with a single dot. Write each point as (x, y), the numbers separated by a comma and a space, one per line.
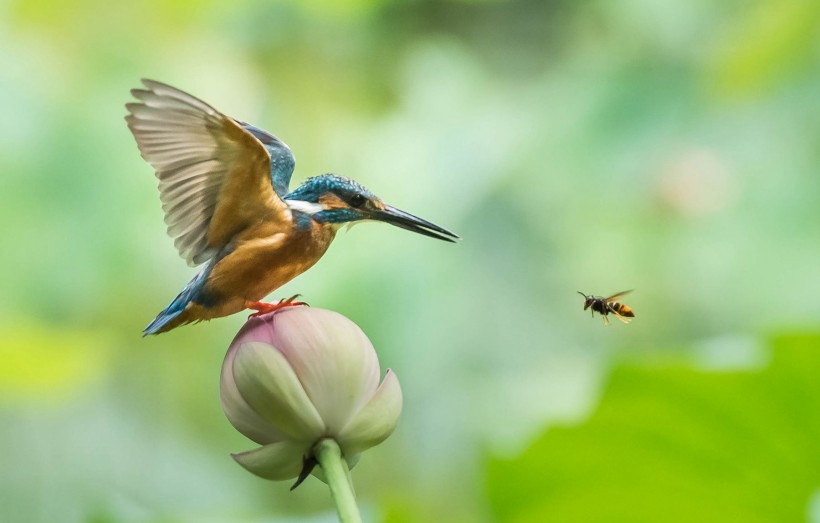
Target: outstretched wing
(214, 176)
(616, 297)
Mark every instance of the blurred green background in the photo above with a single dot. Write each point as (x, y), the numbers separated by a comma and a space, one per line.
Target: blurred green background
(670, 147)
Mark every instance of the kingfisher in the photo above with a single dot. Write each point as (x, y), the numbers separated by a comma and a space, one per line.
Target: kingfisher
(223, 184)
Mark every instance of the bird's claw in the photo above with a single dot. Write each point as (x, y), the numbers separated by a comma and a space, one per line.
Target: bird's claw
(263, 308)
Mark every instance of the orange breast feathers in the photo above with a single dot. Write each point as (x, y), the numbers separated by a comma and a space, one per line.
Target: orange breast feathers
(261, 263)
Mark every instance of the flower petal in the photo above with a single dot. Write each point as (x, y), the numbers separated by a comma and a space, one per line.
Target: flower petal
(333, 359)
(269, 386)
(240, 414)
(277, 461)
(375, 421)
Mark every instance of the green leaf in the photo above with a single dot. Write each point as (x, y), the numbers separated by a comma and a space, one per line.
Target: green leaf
(679, 444)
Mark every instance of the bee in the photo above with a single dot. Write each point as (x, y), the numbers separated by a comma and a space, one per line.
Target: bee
(604, 306)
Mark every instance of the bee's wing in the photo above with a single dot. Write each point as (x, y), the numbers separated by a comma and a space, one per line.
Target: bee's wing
(616, 297)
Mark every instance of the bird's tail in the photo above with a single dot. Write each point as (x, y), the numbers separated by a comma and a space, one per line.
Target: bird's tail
(165, 320)
(172, 315)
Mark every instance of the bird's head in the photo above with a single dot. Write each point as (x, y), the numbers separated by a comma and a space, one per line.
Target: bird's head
(338, 200)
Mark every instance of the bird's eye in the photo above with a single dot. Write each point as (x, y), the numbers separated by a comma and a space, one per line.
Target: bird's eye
(357, 201)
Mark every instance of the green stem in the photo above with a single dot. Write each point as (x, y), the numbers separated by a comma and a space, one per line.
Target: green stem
(329, 456)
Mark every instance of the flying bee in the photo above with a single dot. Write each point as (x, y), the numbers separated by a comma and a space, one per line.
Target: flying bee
(604, 306)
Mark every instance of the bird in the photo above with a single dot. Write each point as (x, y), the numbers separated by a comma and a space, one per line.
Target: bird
(224, 188)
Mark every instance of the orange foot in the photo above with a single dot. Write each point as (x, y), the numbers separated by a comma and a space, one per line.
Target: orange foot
(264, 308)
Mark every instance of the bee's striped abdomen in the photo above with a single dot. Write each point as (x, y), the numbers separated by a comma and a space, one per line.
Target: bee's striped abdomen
(623, 310)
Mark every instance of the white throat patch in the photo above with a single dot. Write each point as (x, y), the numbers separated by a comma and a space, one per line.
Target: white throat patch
(309, 208)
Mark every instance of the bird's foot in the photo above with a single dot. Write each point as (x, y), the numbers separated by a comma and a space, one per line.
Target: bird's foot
(266, 308)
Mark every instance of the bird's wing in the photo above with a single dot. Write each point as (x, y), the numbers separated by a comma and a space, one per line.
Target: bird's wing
(281, 159)
(214, 176)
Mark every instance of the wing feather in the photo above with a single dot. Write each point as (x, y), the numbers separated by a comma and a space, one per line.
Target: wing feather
(214, 176)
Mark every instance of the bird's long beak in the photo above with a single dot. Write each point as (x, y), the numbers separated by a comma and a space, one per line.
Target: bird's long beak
(405, 220)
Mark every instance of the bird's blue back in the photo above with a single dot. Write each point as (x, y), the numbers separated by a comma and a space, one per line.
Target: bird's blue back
(282, 162)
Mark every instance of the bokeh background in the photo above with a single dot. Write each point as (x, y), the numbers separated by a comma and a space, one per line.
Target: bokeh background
(668, 147)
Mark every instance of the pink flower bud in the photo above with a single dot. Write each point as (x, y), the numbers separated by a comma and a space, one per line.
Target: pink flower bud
(298, 375)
